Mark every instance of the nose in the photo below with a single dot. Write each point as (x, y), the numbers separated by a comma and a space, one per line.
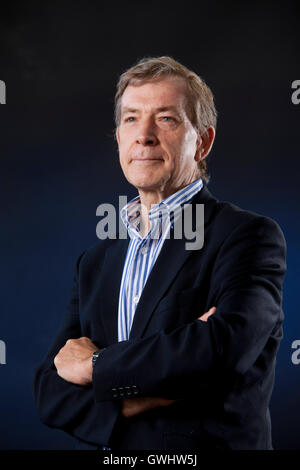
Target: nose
(146, 134)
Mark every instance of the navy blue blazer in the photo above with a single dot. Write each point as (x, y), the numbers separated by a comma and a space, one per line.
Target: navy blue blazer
(222, 370)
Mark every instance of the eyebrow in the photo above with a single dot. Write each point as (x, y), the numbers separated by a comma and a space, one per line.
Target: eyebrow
(161, 109)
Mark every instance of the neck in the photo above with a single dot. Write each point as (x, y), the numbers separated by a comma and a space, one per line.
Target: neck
(149, 198)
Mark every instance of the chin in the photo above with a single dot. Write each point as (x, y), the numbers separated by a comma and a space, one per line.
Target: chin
(146, 185)
(146, 181)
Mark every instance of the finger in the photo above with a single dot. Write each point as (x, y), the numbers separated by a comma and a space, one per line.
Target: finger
(210, 312)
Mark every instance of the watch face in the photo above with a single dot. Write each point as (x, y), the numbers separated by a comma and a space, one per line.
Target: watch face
(94, 356)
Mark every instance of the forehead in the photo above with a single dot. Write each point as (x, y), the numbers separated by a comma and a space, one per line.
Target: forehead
(169, 91)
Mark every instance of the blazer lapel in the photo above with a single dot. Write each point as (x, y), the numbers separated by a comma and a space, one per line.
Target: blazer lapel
(111, 275)
(171, 258)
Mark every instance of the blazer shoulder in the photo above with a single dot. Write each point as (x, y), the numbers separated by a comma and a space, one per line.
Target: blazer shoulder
(241, 216)
(228, 218)
(95, 254)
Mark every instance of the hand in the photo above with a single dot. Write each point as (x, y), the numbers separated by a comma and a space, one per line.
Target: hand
(205, 315)
(74, 361)
(134, 406)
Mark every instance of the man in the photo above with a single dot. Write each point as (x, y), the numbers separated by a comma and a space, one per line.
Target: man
(164, 347)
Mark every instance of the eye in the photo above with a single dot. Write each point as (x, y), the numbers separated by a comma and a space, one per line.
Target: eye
(171, 120)
(130, 119)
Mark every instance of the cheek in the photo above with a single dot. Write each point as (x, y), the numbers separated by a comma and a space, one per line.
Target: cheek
(126, 147)
(123, 152)
(171, 146)
(123, 161)
(190, 142)
(175, 151)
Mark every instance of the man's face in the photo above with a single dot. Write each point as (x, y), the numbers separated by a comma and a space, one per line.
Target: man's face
(158, 145)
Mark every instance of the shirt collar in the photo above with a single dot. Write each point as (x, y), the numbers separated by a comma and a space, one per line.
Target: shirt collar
(168, 207)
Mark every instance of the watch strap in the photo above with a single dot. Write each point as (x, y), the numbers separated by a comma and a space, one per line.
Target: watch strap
(95, 355)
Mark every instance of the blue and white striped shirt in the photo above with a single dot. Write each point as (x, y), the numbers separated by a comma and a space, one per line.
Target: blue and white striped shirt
(143, 251)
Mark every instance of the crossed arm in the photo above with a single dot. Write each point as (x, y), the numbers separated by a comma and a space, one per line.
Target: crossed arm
(73, 364)
(246, 289)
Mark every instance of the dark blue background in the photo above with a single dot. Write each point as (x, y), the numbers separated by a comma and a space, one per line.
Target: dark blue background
(61, 62)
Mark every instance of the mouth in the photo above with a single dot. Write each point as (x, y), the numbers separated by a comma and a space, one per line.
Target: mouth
(148, 159)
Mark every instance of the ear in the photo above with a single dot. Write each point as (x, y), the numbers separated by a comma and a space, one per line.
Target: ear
(205, 142)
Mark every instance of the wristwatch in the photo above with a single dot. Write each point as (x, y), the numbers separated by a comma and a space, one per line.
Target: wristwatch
(95, 355)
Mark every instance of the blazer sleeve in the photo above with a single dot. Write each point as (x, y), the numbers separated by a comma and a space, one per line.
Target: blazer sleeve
(246, 287)
(65, 405)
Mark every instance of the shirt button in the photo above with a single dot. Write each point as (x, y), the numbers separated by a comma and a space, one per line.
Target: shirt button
(136, 299)
(144, 250)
